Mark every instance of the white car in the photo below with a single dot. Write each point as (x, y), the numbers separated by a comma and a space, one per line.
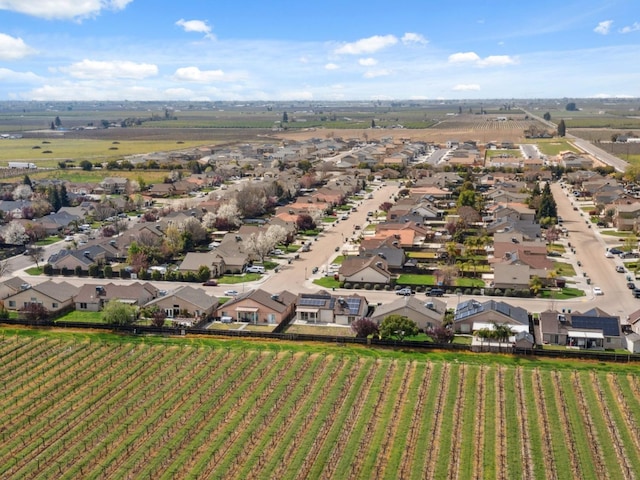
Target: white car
(608, 254)
(231, 293)
(68, 238)
(597, 291)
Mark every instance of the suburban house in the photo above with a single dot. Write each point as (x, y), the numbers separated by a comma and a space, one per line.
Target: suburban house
(186, 304)
(594, 329)
(472, 315)
(52, 296)
(427, 314)
(386, 248)
(626, 216)
(11, 286)
(260, 307)
(194, 260)
(114, 185)
(363, 270)
(92, 298)
(322, 307)
(83, 257)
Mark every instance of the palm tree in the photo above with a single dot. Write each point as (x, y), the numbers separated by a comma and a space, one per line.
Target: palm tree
(535, 285)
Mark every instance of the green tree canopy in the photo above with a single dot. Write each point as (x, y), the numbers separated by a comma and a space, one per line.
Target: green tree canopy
(118, 313)
(562, 129)
(398, 326)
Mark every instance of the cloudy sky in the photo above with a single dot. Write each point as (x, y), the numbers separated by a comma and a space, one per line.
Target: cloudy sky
(328, 50)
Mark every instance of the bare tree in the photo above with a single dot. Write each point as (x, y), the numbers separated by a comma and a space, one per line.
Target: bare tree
(35, 254)
(194, 228)
(5, 267)
(22, 192)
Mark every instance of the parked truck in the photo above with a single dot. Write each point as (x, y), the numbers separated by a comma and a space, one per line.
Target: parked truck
(22, 165)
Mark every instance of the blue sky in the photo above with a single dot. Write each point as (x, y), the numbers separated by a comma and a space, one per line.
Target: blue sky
(330, 50)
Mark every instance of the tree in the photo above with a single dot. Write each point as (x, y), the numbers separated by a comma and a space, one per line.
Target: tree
(194, 229)
(548, 207)
(117, 313)
(86, 165)
(398, 326)
(230, 213)
(571, 107)
(305, 222)
(27, 181)
(5, 268)
(364, 327)
(385, 206)
(547, 116)
(441, 334)
(35, 254)
(562, 129)
(22, 192)
(158, 317)
(15, 234)
(58, 122)
(535, 284)
(285, 118)
(373, 123)
(34, 312)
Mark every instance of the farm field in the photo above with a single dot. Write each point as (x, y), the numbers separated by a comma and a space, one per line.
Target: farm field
(85, 406)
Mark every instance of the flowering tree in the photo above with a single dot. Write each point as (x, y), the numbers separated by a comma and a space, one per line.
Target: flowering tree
(15, 234)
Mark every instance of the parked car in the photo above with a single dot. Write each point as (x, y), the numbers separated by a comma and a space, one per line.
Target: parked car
(597, 291)
(210, 283)
(68, 238)
(619, 269)
(255, 269)
(608, 254)
(406, 291)
(636, 293)
(631, 286)
(615, 251)
(314, 270)
(231, 293)
(436, 292)
(278, 251)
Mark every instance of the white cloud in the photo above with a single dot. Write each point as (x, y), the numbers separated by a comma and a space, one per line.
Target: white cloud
(368, 62)
(463, 57)
(377, 73)
(12, 48)
(331, 66)
(63, 9)
(490, 61)
(95, 69)
(631, 28)
(497, 61)
(466, 87)
(194, 74)
(198, 26)
(179, 93)
(603, 27)
(409, 38)
(367, 45)
(7, 75)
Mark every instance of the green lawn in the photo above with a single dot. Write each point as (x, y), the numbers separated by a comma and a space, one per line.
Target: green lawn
(233, 279)
(616, 233)
(416, 279)
(327, 282)
(556, 247)
(555, 146)
(564, 269)
(33, 271)
(87, 317)
(48, 241)
(563, 294)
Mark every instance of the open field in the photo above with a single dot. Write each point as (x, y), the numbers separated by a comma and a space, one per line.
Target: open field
(34, 150)
(85, 406)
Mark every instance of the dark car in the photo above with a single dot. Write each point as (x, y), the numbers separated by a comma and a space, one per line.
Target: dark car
(636, 293)
(210, 283)
(615, 251)
(436, 292)
(631, 286)
(314, 270)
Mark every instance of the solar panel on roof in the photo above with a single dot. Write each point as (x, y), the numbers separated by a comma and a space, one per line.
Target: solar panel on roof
(608, 325)
(312, 302)
(354, 304)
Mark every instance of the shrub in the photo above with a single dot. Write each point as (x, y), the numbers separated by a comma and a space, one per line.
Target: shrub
(467, 291)
(496, 292)
(347, 285)
(367, 286)
(48, 269)
(93, 271)
(78, 271)
(108, 271)
(508, 292)
(357, 286)
(475, 291)
(377, 286)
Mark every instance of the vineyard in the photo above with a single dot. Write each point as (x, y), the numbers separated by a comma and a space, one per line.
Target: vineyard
(94, 408)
